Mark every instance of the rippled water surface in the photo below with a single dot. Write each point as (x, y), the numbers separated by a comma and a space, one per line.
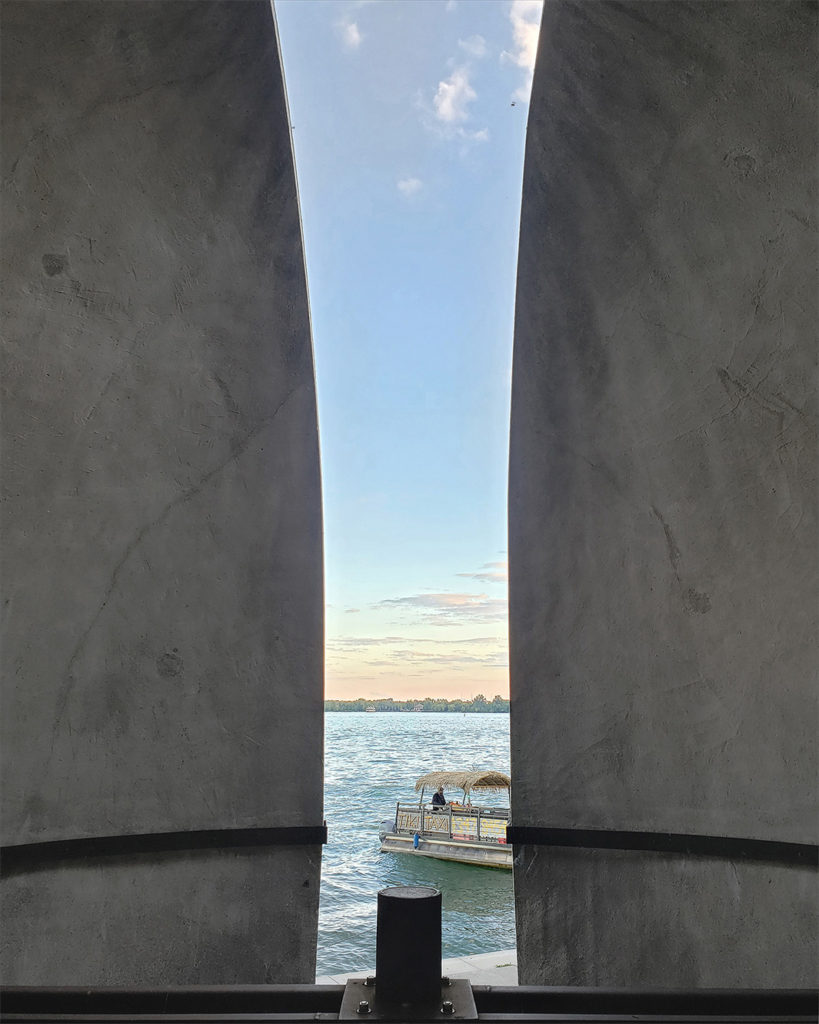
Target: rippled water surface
(372, 760)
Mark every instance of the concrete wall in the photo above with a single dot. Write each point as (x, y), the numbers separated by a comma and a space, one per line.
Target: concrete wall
(663, 492)
(162, 558)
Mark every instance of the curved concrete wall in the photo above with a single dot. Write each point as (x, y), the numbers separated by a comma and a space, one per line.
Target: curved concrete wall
(162, 576)
(663, 490)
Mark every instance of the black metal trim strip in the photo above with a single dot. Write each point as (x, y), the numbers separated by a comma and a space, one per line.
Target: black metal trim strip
(250, 1002)
(27, 856)
(726, 847)
(103, 1003)
(700, 1003)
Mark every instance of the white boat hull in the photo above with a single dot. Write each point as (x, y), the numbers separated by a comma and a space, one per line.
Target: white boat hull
(490, 855)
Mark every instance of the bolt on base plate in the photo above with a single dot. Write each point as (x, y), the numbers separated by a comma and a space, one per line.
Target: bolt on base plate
(360, 1002)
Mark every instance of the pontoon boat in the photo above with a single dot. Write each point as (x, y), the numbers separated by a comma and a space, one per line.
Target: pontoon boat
(459, 830)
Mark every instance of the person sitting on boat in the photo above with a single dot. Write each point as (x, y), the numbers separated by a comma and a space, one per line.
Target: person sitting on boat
(438, 798)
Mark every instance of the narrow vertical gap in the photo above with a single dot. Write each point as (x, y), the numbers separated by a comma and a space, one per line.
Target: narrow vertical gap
(408, 123)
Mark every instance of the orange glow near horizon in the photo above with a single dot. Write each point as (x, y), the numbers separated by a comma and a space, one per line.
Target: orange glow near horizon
(397, 684)
(435, 642)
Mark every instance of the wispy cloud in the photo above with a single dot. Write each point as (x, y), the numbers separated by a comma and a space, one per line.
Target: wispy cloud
(524, 16)
(497, 658)
(490, 572)
(340, 643)
(410, 186)
(453, 96)
(350, 34)
(446, 608)
(475, 46)
(399, 651)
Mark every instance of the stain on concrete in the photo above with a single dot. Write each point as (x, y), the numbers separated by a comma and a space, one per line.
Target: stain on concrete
(695, 601)
(744, 163)
(169, 665)
(54, 263)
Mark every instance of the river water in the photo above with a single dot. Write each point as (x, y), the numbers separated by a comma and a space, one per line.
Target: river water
(371, 760)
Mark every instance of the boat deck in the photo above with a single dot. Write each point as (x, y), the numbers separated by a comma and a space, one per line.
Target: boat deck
(463, 833)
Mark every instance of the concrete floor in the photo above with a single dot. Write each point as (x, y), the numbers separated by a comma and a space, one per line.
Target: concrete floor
(500, 968)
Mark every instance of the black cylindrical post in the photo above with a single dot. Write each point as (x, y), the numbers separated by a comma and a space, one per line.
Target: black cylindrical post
(408, 944)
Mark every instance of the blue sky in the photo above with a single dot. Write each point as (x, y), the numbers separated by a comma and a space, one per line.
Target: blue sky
(409, 121)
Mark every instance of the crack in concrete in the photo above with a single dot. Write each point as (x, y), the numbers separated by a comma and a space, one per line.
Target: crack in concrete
(191, 492)
(673, 550)
(775, 405)
(8, 180)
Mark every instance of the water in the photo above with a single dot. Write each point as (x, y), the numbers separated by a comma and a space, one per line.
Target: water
(370, 762)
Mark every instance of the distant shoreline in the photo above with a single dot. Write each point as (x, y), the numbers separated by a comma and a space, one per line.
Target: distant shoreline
(480, 705)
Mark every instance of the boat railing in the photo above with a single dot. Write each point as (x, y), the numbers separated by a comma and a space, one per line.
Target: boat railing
(463, 822)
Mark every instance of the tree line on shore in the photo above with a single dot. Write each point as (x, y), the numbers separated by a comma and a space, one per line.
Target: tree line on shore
(479, 705)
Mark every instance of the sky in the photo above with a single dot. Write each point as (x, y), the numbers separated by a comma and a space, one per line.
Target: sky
(409, 122)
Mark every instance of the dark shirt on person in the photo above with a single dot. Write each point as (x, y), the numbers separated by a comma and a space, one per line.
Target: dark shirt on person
(438, 800)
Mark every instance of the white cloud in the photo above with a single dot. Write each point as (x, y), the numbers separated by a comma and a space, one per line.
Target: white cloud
(350, 35)
(475, 46)
(410, 186)
(452, 97)
(524, 16)
(451, 5)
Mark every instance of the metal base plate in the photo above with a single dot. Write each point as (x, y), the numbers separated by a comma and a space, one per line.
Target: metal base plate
(361, 1003)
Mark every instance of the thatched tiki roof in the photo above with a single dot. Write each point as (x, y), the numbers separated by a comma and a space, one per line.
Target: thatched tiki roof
(489, 781)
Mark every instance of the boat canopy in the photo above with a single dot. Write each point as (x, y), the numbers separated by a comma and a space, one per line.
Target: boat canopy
(489, 781)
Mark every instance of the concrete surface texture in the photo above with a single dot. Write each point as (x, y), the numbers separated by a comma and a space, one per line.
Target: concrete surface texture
(162, 576)
(662, 504)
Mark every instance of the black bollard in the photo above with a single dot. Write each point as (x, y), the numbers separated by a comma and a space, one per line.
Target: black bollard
(408, 944)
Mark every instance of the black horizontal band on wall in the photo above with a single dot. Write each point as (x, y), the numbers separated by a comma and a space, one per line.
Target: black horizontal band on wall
(28, 856)
(725, 847)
